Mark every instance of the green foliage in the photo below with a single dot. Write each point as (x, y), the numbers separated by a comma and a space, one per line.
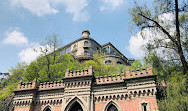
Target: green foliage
(172, 67)
(176, 98)
(137, 64)
(176, 94)
(32, 71)
(99, 68)
(159, 68)
(38, 69)
(8, 84)
(167, 35)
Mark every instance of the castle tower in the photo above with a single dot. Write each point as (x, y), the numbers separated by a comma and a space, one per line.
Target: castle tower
(85, 34)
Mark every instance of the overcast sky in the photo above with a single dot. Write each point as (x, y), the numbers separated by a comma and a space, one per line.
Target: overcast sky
(24, 23)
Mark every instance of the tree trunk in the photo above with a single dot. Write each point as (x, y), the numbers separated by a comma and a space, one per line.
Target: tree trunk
(180, 51)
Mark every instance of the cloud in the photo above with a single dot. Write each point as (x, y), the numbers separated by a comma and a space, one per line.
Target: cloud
(31, 53)
(44, 7)
(38, 7)
(15, 37)
(110, 4)
(166, 17)
(76, 7)
(136, 42)
(27, 55)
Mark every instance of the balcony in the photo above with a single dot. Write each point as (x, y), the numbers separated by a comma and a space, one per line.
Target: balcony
(74, 50)
(86, 46)
(84, 56)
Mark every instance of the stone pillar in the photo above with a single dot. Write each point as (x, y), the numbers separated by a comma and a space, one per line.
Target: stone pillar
(91, 102)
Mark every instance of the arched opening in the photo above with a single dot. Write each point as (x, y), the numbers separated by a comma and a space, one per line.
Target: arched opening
(108, 62)
(119, 62)
(112, 108)
(48, 109)
(76, 107)
(86, 43)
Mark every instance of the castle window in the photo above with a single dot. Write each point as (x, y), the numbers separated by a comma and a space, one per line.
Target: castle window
(145, 106)
(106, 49)
(63, 51)
(111, 51)
(98, 50)
(67, 50)
(108, 62)
(112, 108)
(76, 107)
(48, 109)
(74, 47)
(86, 51)
(86, 43)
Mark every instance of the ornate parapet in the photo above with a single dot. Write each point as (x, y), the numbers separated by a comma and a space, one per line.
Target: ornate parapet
(71, 74)
(51, 85)
(122, 77)
(139, 73)
(27, 86)
(110, 79)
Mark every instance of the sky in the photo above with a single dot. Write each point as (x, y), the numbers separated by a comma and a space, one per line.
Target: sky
(25, 23)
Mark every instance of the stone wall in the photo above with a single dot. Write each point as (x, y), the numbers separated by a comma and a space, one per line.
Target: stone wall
(131, 91)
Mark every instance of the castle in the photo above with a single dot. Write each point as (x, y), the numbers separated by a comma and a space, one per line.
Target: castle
(85, 47)
(82, 91)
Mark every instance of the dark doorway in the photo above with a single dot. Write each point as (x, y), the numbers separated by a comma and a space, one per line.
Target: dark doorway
(76, 107)
(48, 109)
(112, 108)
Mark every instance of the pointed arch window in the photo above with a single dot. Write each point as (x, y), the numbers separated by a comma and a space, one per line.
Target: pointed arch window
(112, 108)
(48, 108)
(76, 107)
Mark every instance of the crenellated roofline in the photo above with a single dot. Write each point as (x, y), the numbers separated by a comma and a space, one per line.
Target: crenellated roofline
(70, 75)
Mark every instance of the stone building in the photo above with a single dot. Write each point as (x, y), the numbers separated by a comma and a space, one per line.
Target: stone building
(82, 91)
(84, 48)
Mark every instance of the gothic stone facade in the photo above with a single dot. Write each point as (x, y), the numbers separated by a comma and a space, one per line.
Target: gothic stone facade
(81, 91)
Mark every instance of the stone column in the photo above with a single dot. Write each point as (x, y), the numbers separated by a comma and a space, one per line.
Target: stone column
(92, 102)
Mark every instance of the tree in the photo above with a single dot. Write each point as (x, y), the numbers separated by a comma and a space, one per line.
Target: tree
(48, 49)
(176, 97)
(145, 18)
(10, 83)
(99, 68)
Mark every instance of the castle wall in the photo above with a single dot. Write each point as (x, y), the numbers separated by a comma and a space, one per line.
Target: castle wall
(77, 48)
(26, 108)
(114, 59)
(129, 105)
(131, 91)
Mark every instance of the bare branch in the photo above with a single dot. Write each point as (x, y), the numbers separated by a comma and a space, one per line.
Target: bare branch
(160, 27)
